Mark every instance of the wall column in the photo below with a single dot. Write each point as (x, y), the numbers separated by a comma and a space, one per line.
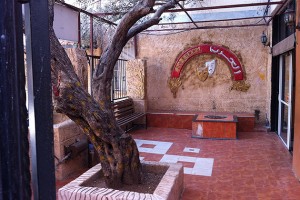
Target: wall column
(136, 84)
(296, 154)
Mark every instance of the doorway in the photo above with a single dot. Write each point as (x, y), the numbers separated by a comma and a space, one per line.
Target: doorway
(285, 103)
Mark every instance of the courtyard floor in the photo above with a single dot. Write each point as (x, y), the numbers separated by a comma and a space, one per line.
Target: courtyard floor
(255, 166)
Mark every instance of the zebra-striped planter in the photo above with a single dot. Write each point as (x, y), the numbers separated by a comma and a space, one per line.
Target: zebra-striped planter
(169, 188)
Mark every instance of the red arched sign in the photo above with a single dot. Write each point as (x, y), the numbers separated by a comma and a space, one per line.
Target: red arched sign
(223, 53)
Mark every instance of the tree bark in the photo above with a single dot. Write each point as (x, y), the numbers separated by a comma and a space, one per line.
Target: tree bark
(117, 150)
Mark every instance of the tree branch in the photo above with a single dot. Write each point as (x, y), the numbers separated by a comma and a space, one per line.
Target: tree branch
(103, 74)
(154, 20)
(141, 9)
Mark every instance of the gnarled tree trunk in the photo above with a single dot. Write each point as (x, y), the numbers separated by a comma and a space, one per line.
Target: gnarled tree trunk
(117, 150)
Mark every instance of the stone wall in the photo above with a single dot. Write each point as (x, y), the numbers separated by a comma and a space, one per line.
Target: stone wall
(161, 51)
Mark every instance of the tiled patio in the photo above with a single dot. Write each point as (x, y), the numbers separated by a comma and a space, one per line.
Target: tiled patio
(255, 166)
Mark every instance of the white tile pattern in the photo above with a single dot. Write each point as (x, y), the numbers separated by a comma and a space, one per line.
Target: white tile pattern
(160, 147)
(202, 166)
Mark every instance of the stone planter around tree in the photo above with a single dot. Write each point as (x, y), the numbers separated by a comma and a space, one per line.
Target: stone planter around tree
(169, 188)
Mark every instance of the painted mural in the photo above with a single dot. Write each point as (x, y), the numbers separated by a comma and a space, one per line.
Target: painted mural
(203, 72)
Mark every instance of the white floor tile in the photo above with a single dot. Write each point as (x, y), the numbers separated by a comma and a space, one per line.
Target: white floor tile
(169, 158)
(187, 159)
(191, 150)
(187, 170)
(202, 167)
(160, 147)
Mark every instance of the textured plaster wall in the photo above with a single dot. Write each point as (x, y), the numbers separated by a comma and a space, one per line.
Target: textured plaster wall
(135, 79)
(80, 64)
(160, 53)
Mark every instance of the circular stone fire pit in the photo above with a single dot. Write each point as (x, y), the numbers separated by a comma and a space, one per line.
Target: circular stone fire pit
(215, 116)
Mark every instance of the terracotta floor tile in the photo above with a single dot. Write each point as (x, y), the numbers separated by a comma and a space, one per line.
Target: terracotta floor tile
(193, 194)
(245, 192)
(256, 166)
(153, 157)
(220, 195)
(187, 164)
(270, 195)
(244, 197)
(148, 145)
(222, 173)
(265, 181)
(222, 186)
(242, 174)
(176, 149)
(291, 194)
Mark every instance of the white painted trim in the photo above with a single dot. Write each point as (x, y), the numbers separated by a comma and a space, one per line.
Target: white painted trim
(287, 143)
(279, 97)
(290, 101)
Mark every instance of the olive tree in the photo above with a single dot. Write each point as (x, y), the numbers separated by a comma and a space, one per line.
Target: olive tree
(118, 153)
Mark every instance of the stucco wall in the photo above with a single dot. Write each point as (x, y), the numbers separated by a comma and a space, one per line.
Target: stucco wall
(160, 53)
